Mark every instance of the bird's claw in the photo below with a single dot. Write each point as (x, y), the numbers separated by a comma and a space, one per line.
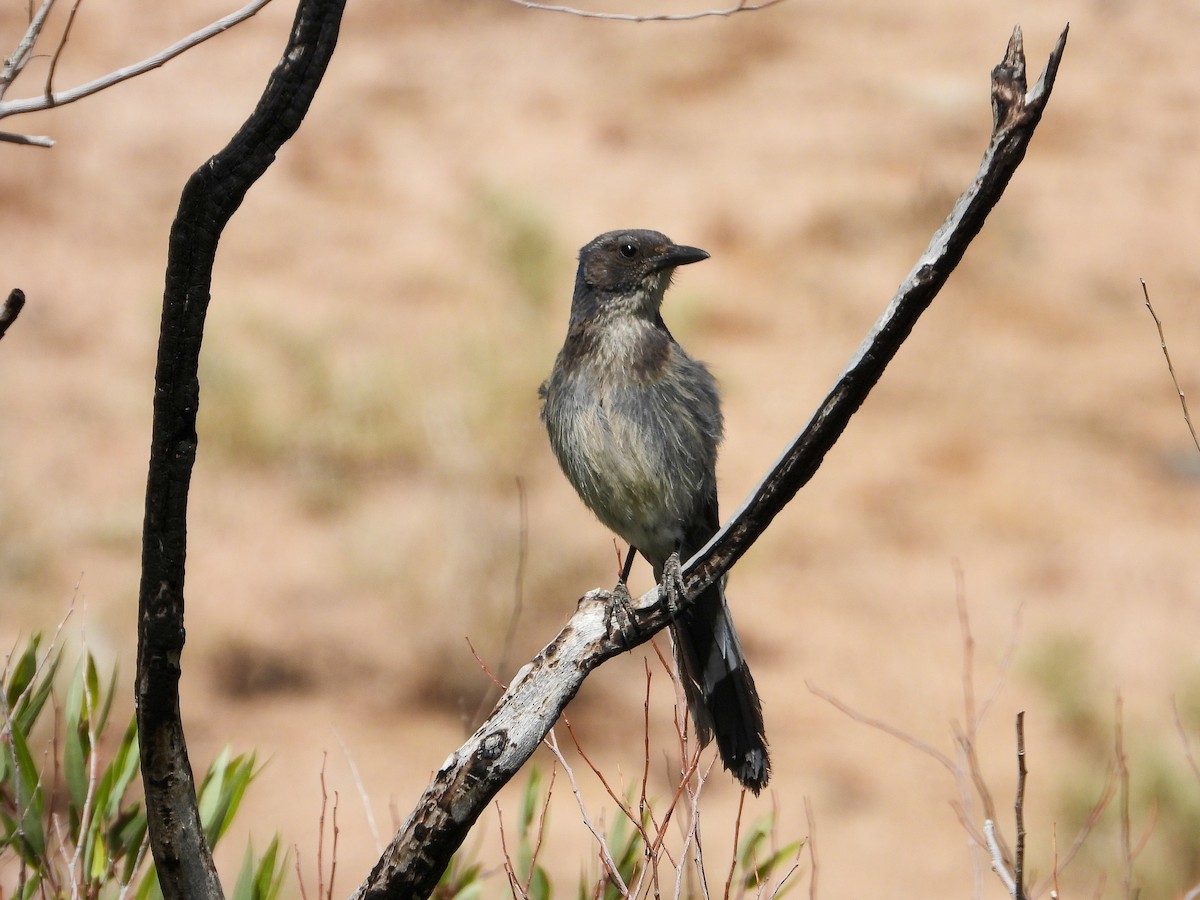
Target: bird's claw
(673, 593)
(618, 612)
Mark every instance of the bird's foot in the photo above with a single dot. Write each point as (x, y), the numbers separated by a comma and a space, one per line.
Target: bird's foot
(673, 593)
(618, 611)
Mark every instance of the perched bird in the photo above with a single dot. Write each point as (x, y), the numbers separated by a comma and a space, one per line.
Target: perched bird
(635, 423)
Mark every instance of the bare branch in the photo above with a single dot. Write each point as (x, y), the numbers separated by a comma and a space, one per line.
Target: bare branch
(50, 99)
(1184, 740)
(30, 140)
(1162, 342)
(1019, 812)
(740, 7)
(48, 92)
(891, 730)
(472, 775)
(12, 308)
(209, 199)
(16, 62)
(998, 865)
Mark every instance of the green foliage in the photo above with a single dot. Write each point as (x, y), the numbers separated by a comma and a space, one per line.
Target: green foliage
(759, 864)
(75, 824)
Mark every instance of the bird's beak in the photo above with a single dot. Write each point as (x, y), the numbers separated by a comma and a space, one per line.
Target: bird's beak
(676, 255)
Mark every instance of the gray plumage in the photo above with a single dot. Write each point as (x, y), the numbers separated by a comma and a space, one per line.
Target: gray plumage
(635, 423)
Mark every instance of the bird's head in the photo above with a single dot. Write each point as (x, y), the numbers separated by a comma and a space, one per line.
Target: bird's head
(628, 272)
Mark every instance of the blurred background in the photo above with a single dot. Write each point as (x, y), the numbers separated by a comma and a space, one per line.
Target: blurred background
(393, 291)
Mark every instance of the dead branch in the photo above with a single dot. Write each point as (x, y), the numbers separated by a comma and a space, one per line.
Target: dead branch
(473, 774)
(1162, 343)
(1019, 812)
(209, 200)
(739, 7)
(49, 98)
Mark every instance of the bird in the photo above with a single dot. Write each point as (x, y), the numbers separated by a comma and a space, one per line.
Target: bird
(635, 423)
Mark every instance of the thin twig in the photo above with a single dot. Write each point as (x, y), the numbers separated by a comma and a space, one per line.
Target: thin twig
(20, 56)
(1106, 794)
(1183, 739)
(1123, 799)
(812, 848)
(1019, 810)
(551, 741)
(362, 791)
(62, 98)
(878, 724)
(1162, 342)
(740, 7)
(333, 849)
(48, 91)
(737, 833)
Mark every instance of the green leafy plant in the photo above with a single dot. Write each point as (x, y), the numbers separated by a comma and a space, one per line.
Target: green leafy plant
(71, 818)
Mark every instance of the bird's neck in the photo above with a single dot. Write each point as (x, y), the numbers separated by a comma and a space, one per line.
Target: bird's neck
(625, 341)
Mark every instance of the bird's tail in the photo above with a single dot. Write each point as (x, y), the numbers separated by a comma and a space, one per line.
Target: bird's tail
(720, 690)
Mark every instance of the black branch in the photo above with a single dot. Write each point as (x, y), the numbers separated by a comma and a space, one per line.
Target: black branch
(12, 308)
(209, 199)
(474, 773)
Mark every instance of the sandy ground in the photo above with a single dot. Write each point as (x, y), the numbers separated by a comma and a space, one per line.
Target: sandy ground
(393, 291)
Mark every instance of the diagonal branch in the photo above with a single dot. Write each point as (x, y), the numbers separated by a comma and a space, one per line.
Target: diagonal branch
(210, 198)
(473, 774)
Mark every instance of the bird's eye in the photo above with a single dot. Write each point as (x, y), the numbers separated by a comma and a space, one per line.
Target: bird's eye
(629, 249)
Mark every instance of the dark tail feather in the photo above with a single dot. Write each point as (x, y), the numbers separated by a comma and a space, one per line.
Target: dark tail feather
(720, 690)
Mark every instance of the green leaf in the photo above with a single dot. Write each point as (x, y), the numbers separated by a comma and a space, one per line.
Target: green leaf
(762, 872)
(121, 771)
(30, 801)
(27, 707)
(22, 672)
(221, 792)
(530, 799)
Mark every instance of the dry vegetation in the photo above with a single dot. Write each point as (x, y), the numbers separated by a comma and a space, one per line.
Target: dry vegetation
(393, 291)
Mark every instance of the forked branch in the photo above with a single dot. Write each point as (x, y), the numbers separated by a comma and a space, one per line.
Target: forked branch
(49, 98)
(473, 774)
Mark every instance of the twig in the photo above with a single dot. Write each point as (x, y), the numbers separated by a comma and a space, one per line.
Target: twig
(880, 725)
(48, 92)
(49, 99)
(1162, 342)
(362, 791)
(812, 848)
(737, 833)
(741, 6)
(1184, 740)
(333, 850)
(1123, 799)
(1106, 794)
(21, 55)
(1019, 811)
(12, 308)
(610, 865)
(321, 833)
